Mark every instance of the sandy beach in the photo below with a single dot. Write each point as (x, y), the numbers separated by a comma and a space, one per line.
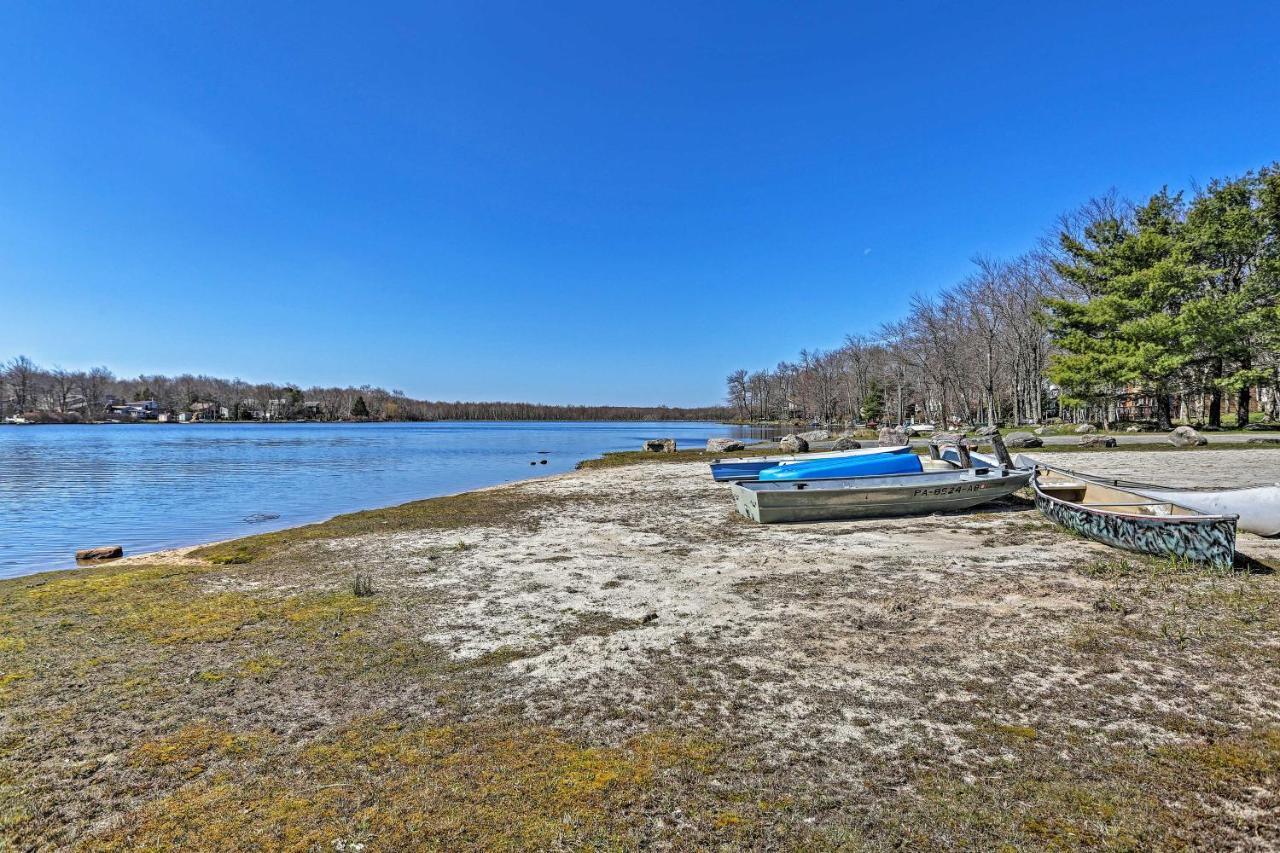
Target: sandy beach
(968, 679)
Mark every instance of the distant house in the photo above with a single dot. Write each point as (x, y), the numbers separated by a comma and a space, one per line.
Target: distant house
(140, 410)
(207, 412)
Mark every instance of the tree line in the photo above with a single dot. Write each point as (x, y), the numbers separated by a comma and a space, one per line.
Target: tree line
(57, 394)
(1160, 310)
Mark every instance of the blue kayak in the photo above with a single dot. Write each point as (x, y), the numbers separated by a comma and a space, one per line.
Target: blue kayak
(853, 466)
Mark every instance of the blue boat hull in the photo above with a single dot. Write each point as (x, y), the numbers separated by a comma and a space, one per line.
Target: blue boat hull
(856, 466)
(734, 470)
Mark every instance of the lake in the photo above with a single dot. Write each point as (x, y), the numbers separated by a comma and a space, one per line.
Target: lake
(154, 486)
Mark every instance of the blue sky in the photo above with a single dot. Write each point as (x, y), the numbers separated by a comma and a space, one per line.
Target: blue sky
(569, 202)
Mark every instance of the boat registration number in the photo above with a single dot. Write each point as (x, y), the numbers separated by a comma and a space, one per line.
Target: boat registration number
(947, 490)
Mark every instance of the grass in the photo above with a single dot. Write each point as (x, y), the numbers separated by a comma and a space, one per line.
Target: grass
(405, 785)
(634, 457)
(505, 507)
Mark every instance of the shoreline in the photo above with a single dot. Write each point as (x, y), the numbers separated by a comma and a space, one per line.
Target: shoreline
(179, 551)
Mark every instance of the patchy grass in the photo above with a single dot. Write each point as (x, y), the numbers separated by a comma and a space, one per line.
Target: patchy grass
(633, 457)
(405, 785)
(505, 507)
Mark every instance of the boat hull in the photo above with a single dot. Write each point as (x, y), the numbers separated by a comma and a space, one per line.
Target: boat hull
(733, 470)
(1209, 540)
(1257, 507)
(873, 497)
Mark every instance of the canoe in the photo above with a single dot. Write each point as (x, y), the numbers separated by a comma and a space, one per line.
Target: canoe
(941, 486)
(848, 466)
(730, 470)
(1125, 519)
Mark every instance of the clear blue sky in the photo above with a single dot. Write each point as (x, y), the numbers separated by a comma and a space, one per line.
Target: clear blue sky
(586, 202)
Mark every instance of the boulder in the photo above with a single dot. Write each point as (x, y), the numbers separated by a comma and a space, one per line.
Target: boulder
(1266, 440)
(1085, 429)
(815, 435)
(846, 442)
(891, 437)
(108, 552)
(947, 437)
(1022, 440)
(660, 445)
(1263, 426)
(1038, 430)
(793, 444)
(1185, 436)
(986, 430)
(1097, 441)
(724, 445)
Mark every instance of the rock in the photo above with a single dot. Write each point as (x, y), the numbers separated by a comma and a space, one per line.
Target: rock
(1267, 440)
(660, 445)
(1085, 429)
(847, 442)
(649, 617)
(724, 445)
(1022, 440)
(1038, 430)
(986, 430)
(891, 437)
(947, 437)
(1133, 428)
(1185, 436)
(793, 444)
(542, 462)
(1097, 441)
(1263, 426)
(815, 435)
(109, 552)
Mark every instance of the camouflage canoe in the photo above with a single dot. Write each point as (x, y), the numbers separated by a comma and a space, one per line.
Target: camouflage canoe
(1133, 521)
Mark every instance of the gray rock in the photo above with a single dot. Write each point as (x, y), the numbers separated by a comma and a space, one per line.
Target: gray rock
(660, 445)
(108, 552)
(724, 445)
(1085, 429)
(815, 435)
(890, 437)
(1263, 426)
(1185, 436)
(1097, 441)
(1262, 441)
(1133, 428)
(1038, 430)
(847, 442)
(793, 444)
(947, 437)
(986, 430)
(1022, 440)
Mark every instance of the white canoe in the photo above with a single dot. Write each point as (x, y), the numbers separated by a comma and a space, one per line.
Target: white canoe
(1258, 507)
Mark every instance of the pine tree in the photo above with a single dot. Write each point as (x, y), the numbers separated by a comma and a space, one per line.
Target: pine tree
(1136, 274)
(359, 409)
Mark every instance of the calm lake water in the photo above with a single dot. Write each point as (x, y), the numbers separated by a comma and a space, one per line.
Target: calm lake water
(153, 486)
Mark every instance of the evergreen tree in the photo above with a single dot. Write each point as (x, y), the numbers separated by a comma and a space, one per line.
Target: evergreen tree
(873, 403)
(1232, 319)
(1136, 274)
(359, 409)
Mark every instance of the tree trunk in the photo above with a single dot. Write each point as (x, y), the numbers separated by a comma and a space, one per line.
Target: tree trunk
(1242, 398)
(1215, 400)
(1164, 410)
